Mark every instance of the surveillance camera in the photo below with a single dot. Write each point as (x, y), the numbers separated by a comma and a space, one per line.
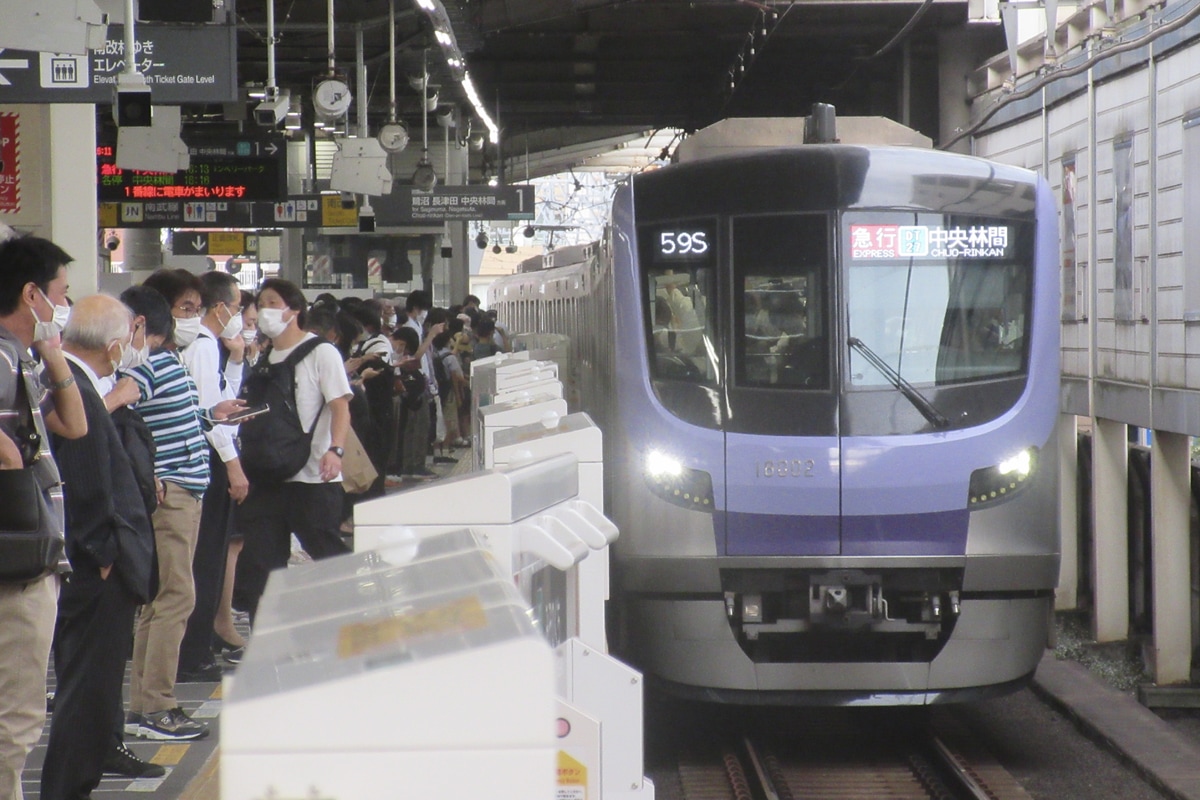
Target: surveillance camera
(481, 241)
(366, 219)
(496, 248)
(511, 248)
(132, 107)
(273, 108)
(111, 242)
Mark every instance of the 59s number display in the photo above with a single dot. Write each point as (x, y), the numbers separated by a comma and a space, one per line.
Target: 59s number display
(682, 244)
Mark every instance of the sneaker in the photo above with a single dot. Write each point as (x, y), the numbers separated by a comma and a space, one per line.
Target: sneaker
(230, 652)
(132, 721)
(444, 460)
(205, 673)
(123, 762)
(170, 725)
(49, 702)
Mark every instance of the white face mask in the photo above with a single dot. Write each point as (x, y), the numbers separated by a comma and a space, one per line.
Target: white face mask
(132, 357)
(421, 317)
(233, 328)
(249, 336)
(48, 330)
(186, 331)
(271, 322)
(391, 321)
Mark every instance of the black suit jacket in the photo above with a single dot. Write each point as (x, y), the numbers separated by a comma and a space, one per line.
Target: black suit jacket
(106, 518)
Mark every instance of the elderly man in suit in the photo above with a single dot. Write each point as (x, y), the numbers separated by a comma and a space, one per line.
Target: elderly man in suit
(110, 544)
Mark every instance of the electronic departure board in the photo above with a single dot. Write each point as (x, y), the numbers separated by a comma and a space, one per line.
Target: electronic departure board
(229, 170)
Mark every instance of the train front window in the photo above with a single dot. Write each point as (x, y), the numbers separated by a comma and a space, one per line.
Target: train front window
(940, 299)
(781, 265)
(678, 268)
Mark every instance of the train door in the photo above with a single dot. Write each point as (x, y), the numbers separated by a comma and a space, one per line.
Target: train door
(782, 458)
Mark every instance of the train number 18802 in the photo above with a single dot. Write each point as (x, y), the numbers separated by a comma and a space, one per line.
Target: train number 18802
(786, 468)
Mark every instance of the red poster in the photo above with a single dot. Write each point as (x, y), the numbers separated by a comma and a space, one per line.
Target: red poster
(10, 163)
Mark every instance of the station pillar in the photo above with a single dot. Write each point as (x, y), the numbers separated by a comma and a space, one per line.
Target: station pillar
(1067, 595)
(53, 157)
(1170, 514)
(1110, 515)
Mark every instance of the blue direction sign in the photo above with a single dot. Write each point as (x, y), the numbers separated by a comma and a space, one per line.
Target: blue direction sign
(182, 64)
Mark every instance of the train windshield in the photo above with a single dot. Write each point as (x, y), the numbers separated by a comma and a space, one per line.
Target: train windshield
(680, 259)
(941, 299)
(781, 273)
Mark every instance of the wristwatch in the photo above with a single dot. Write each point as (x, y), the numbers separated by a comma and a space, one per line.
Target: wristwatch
(338, 451)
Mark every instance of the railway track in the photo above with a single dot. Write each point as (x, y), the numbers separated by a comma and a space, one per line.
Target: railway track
(843, 756)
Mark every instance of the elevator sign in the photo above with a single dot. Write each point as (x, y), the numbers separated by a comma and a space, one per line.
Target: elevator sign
(181, 64)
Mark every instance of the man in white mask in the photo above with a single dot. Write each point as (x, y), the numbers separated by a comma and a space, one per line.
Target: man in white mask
(214, 361)
(170, 406)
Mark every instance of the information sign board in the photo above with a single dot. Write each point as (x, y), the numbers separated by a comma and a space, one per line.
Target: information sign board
(405, 205)
(181, 63)
(299, 211)
(235, 169)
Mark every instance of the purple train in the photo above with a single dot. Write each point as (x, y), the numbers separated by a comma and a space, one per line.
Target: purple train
(828, 378)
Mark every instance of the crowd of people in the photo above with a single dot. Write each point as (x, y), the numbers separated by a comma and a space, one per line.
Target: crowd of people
(167, 447)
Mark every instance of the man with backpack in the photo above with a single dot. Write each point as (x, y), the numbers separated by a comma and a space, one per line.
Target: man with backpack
(292, 454)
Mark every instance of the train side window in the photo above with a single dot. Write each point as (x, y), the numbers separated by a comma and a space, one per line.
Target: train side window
(781, 267)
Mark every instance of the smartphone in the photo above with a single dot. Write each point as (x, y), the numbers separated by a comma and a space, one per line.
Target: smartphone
(247, 413)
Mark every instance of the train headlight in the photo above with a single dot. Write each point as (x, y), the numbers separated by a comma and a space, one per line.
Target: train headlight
(993, 484)
(669, 479)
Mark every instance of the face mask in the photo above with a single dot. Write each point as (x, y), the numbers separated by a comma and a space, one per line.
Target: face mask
(249, 336)
(132, 357)
(48, 330)
(271, 322)
(186, 331)
(421, 317)
(233, 328)
(391, 321)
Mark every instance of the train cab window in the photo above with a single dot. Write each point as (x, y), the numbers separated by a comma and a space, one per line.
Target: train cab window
(781, 267)
(938, 299)
(678, 271)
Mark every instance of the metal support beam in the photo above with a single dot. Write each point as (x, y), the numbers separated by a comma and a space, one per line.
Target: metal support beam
(1067, 595)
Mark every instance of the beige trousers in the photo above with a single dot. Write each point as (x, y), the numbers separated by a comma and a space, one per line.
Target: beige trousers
(163, 621)
(27, 613)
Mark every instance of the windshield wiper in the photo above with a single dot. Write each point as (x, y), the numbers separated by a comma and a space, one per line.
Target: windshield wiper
(919, 401)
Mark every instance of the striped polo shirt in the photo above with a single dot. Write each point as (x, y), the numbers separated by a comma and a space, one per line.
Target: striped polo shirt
(170, 406)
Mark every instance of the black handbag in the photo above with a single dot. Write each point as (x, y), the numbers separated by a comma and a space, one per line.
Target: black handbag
(29, 544)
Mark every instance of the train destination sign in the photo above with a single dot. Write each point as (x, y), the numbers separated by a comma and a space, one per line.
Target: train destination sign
(928, 241)
(405, 205)
(181, 63)
(243, 169)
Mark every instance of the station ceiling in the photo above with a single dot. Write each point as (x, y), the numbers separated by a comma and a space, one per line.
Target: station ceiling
(562, 75)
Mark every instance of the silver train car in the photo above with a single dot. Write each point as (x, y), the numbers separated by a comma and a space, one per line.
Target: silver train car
(827, 377)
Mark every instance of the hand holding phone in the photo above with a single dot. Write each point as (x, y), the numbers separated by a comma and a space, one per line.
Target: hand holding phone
(244, 414)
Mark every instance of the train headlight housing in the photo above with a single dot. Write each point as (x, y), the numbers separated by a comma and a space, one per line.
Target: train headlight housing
(994, 484)
(682, 486)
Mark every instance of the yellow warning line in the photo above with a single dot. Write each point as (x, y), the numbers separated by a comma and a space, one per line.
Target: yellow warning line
(216, 694)
(168, 755)
(207, 784)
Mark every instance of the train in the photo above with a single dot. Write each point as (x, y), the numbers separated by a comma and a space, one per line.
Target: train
(827, 376)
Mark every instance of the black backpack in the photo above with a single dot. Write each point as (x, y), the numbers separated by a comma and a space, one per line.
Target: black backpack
(275, 446)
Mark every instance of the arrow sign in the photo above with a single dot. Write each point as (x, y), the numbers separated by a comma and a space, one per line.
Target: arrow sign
(271, 148)
(11, 63)
(189, 243)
